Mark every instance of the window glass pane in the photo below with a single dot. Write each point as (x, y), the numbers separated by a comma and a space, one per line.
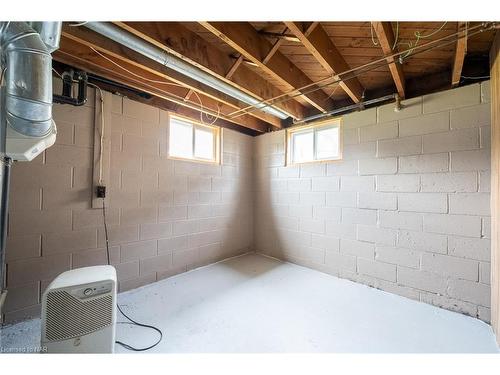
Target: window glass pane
(181, 139)
(327, 143)
(303, 146)
(204, 143)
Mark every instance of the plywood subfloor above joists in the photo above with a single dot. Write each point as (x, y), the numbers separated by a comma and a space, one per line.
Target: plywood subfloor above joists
(246, 40)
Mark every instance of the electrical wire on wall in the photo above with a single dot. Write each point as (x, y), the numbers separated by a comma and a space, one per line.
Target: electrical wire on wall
(101, 143)
(101, 133)
(130, 320)
(108, 258)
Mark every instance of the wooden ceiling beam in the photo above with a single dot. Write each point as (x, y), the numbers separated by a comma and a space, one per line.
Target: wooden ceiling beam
(73, 54)
(386, 39)
(273, 49)
(177, 39)
(233, 68)
(315, 39)
(243, 37)
(460, 51)
(141, 64)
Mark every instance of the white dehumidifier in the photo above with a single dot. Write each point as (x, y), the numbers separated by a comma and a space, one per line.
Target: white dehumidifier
(79, 311)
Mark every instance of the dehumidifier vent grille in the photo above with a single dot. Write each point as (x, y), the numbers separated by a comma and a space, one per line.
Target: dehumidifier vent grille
(68, 316)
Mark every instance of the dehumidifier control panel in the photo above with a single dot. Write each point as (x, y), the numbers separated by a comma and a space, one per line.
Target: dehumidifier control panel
(90, 290)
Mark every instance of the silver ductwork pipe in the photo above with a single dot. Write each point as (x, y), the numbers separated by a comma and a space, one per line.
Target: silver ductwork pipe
(173, 62)
(28, 92)
(26, 100)
(50, 33)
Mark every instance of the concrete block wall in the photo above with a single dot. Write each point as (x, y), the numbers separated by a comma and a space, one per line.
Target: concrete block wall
(407, 210)
(164, 216)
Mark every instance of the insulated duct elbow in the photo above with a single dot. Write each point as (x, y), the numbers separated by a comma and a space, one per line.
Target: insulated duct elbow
(28, 76)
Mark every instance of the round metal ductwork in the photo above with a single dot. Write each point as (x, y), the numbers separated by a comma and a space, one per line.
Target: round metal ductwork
(28, 78)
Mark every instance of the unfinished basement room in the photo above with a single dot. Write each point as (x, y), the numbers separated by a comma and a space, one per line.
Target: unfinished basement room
(249, 186)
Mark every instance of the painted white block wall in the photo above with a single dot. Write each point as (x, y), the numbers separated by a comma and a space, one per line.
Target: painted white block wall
(164, 216)
(406, 211)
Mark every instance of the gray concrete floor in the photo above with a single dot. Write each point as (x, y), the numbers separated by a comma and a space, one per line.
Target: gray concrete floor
(257, 304)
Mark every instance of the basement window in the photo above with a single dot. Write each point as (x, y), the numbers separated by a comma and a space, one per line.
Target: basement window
(190, 140)
(314, 142)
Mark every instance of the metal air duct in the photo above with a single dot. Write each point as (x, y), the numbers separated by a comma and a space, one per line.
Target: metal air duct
(28, 93)
(26, 125)
(50, 33)
(173, 62)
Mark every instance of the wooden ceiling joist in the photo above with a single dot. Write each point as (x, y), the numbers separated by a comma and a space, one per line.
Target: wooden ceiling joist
(318, 43)
(273, 49)
(186, 44)
(385, 36)
(460, 51)
(87, 39)
(243, 37)
(72, 53)
(233, 68)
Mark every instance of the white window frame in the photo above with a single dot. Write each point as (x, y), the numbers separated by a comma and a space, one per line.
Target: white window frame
(217, 132)
(320, 125)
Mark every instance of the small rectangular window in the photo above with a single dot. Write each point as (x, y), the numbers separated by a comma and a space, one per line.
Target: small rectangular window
(303, 146)
(204, 144)
(315, 142)
(193, 141)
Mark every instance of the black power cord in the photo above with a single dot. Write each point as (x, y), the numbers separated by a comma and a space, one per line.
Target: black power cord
(131, 321)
